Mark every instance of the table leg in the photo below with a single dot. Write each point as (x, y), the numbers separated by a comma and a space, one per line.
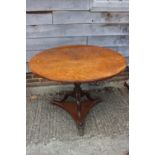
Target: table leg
(79, 109)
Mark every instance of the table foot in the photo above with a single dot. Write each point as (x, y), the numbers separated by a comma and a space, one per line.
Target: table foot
(79, 109)
(80, 128)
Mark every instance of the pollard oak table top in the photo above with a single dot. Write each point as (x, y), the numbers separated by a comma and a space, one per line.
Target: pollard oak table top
(77, 63)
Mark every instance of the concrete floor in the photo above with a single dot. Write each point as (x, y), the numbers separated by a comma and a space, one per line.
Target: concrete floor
(51, 131)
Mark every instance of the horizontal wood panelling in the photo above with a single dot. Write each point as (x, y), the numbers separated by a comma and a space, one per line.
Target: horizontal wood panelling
(38, 19)
(68, 17)
(27, 68)
(44, 5)
(69, 30)
(45, 43)
(109, 40)
(111, 6)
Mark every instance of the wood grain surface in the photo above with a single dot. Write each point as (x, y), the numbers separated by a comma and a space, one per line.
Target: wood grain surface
(77, 63)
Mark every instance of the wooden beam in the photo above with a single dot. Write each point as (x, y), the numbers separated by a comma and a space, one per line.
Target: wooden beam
(47, 5)
(38, 18)
(70, 30)
(69, 17)
(112, 5)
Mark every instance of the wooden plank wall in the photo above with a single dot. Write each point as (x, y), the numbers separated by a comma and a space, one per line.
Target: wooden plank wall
(52, 23)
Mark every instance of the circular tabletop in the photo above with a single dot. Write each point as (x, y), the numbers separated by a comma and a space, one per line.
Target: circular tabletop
(77, 63)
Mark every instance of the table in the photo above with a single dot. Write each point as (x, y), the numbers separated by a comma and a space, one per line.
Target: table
(77, 64)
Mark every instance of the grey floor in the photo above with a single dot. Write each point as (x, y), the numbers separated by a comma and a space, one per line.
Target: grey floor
(51, 131)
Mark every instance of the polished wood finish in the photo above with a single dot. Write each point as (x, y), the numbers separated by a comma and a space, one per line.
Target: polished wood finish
(77, 63)
(80, 108)
(71, 108)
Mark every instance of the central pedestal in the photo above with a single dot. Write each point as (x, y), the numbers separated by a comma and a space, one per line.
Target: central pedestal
(79, 109)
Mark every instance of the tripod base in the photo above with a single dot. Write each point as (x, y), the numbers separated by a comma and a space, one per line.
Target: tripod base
(79, 109)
